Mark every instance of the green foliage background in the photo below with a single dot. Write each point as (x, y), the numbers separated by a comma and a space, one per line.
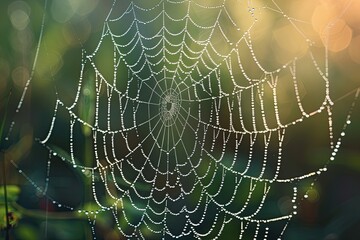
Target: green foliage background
(332, 211)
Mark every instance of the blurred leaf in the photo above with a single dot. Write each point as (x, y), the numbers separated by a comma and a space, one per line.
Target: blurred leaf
(27, 232)
(13, 215)
(13, 192)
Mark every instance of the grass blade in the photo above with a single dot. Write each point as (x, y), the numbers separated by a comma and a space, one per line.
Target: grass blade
(2, 157)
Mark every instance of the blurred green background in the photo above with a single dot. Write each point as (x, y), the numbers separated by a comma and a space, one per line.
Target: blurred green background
(332, 210)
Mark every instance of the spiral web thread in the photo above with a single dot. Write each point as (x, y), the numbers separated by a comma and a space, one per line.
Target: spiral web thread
(187, 140)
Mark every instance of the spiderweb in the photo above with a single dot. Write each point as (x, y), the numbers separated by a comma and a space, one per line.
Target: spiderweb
(188, 131)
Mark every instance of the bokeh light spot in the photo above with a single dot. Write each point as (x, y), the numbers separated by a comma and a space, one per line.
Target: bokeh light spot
(354, 49)
(338, 36)
(20, 75)
(19, 12)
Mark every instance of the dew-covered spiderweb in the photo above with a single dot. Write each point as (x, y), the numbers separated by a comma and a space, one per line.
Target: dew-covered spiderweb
(191, 129)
